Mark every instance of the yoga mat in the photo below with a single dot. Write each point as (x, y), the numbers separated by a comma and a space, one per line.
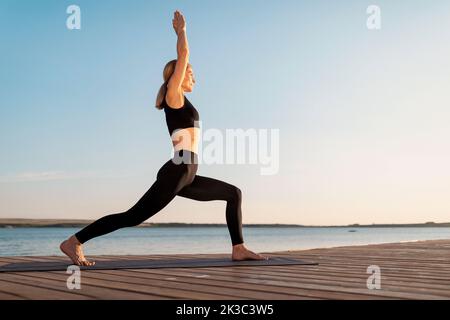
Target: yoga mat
(150, 264)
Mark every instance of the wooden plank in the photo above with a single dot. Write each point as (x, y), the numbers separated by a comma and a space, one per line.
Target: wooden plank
(9, 295)
(325, 286)
(184, 280)
(35, 289)
(153, 289)
(356, 281)
(57, 283)
(425, 260)
(345, 273)
(387, 266)
(241, 282)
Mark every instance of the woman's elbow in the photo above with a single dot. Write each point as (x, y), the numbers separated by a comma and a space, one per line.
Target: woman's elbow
(183, 53)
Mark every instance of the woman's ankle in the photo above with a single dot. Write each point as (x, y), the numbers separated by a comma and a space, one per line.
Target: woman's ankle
(238, 246)
(74, 239)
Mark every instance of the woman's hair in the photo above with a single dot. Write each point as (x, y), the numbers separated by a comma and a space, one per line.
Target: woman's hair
(167, 73)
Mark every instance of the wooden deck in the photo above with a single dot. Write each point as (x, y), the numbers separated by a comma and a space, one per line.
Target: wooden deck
(417, 270)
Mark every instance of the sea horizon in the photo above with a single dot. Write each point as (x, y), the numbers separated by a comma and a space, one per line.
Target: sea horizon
(65, 223)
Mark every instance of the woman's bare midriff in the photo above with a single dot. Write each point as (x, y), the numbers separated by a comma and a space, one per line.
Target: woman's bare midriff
(186, 139)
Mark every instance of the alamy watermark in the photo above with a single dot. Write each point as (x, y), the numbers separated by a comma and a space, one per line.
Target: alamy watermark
(374, 19)
(374, 281)
(74, 280)
(235, 146)
(373, 22)
(73, 21)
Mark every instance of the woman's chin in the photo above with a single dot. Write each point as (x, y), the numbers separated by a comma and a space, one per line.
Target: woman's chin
(188, 89)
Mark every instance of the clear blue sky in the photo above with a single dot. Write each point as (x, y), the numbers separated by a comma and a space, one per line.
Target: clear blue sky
(363, 115)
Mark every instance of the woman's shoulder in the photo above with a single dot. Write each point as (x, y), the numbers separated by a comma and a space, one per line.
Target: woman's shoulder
(168, 106)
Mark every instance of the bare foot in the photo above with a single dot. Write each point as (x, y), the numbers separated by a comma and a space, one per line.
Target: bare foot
(73, 249)
(240, 252)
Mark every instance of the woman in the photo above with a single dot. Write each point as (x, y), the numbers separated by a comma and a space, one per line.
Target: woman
(178, 175)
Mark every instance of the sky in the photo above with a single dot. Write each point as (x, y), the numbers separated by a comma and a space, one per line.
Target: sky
(362, 114)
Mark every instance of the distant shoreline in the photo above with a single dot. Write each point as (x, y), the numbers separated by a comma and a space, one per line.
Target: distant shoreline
(74, 223)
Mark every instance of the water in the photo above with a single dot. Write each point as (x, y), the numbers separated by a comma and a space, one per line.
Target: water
(163, 240)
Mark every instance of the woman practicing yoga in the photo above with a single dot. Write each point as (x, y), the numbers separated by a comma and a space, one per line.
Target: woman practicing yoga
(178, 175)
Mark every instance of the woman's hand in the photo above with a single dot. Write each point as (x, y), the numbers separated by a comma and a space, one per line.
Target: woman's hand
(178, 22)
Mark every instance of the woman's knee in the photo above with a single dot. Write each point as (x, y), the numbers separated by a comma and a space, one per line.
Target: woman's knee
(235, 194)
(132, 218)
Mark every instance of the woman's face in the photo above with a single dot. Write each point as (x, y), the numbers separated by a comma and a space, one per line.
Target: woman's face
(189, 80)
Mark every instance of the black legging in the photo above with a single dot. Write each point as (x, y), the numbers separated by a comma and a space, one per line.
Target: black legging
(176, 177)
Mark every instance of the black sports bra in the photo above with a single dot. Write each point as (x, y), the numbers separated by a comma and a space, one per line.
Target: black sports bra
(181, 118)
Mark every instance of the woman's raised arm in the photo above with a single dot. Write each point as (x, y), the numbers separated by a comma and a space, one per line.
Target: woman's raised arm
(174, 91)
